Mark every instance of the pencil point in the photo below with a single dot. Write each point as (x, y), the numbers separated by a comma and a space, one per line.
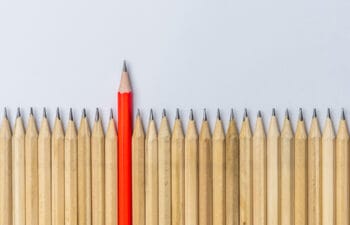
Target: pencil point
(273, 112)
(151, 115)
(301, 117)
(177, 114)
(18, 112)
(138, 114)
(329, 113)
(97, 115)
(5, 113)
(111, 114)
(58, 116)
(205, 118)
(31, 111)
(287, 114)
(84, 113)
(314, 114)
(44, 113)
(343, 114)
(259, 114)
(245, 113)
(71, 114)
(125, 69)
(231, 115)
(164, 113)
(191, 114)
(218, 116)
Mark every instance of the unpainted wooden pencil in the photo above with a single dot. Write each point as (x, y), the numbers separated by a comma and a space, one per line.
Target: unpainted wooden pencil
(342, 174)
(31, 162)
(97, 172)
(151, 173)
(232, 173)
(191, 173)
(178, 173)
(44, 172)
(287, 175)
(300, 173)
(84, 172)
(205, 175)
(5, 171)
(71, 174)
(111, 175)
(314, 173)
(327, 172)
(18, 172)
(164, 171)
(245, 173)
(273, 171)
(259, 173)
(57, 159)
(219, 173)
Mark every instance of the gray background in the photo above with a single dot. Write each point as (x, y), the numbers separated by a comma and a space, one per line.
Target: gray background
(257, 54)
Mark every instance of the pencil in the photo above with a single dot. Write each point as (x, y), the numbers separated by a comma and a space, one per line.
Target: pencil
(44, 172)
(124, 150)
(273, 171)
(57, 171)
(97, 172)
(164, 171)
(232, 172)
(110, 172)
(245, 173)
(178, 173)
(287, 175)
(314, 172)
(205, 176)
(191, 173)
(342, 173)
(31, 171)
(151, 173)
(84, 172)
(300, 173)
(259, 173)
(327, 170)
(5, 171)
(18, 171)
(71, 174)
(138, 172)
(219, 173)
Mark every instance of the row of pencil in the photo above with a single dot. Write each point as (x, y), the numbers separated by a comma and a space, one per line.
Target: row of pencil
(240, 177)
(56, 178)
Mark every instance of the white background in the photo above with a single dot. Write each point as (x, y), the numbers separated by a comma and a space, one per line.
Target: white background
(257, 54)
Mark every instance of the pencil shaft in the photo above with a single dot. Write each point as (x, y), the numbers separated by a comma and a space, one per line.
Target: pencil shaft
(232, 175)
(31, 162)
(5, 173)
(111, 175)
(71, 175)
(205, 176)
(178, 174)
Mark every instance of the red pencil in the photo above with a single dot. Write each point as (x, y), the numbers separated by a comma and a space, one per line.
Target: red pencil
(124, 149)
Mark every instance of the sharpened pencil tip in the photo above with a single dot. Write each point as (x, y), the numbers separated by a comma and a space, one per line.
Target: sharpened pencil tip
(191, 114)
(58, 116)
(97, 114)
(343, 114)
(177, 114)
(314, 114)
(273, 112)
(31, 111)
(151, 115)
(125, 69)
(138, 114)
(163, 113)
(301, 117)
(259, 114)
(5, 113)
(287, 114)
(84, 113)
(44, 113)
(218, 115)
(232, 116)
(71, 114)
(205, 117)
(18, 112)
(245, 113)
(329, 113)
(111, 114)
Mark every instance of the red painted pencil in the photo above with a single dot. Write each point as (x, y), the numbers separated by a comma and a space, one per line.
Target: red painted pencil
(124, 150)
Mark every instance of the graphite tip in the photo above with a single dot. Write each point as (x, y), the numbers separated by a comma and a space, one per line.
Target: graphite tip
(301, 117)
(97, 115)
(5, 113)
(314, 114)
(83, 114)
(259, 114)
(111, 114)
(163, 113)
(232, 116)
(125, 69)
(71, 114)
(177, 114)
(44, 113)
(287, 114)
(245, 113)
(18, 112)
(205, 117)
(191, 114)
(138, 113)
(329, 113)
(218, 116)
(58, 116)
(273, 112)
(31, 111)
(151, 115)
(342, 114)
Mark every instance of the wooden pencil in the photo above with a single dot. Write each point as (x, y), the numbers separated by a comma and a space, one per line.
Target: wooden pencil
(31, 171)
(178, 173)
(151, 173)
(219, 173)
(110, 173)
(205, 174)
(191, 173)
(245, 173)
(232, 173)
(57, 160)
(164, 171)
(97, 172)
(273, 171)
(327, 172)
(44, 172)
(314, 173)
(138, 172)
(5, 171)
(287, 175)
(84, 172)
(71, 173)
(259, 173)
(18, 171)
(300, 173)
(342, 173)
